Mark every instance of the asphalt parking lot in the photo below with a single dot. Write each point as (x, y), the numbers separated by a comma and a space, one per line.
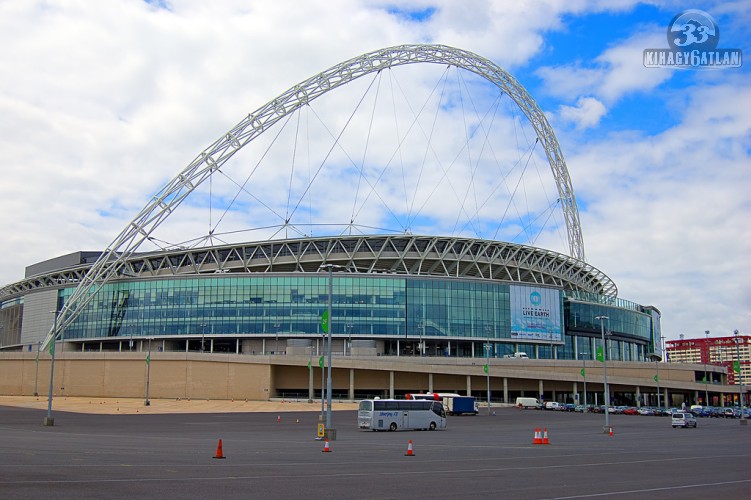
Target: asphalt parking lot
(172, 456)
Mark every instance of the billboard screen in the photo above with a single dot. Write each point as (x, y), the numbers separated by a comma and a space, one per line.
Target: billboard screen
(535, 313)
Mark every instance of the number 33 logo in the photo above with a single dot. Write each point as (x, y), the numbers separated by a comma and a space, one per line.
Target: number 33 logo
(691, 34)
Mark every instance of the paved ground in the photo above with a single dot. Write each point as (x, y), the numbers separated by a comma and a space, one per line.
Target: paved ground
(86, 455)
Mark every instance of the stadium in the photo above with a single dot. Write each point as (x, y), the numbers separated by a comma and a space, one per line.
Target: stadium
(408, 312)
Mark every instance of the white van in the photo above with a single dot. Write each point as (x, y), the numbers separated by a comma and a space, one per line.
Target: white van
(553, 405)
(683, 419)
(517, 355)
(528, 403)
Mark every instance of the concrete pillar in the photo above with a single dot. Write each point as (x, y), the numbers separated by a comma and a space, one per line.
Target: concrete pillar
(505, 390)
(576, 392)
(696, 397)
(638, 396)
(391, 385)
(449, 348)
(430, 382)
(469, 385)
(351, 384)
(473, 349)
(263, 346)
(237, 346)
(539, 390)
(666, 398)
(397, 348)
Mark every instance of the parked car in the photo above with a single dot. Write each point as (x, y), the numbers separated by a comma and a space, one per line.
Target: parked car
(732, 413)
(631, 411)
(569, 407)
(553, 405)
(646, 411)
(683, 419)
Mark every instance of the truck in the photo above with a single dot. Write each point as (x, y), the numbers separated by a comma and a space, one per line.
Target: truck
(460, 405)
(528, 403)
(517, 355)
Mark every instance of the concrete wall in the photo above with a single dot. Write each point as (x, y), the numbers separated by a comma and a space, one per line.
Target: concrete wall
(233, 376)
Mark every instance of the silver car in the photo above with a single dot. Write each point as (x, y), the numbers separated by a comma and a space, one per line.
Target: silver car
(683, 419)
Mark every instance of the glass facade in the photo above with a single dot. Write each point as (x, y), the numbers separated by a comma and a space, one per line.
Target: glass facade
(392, 308)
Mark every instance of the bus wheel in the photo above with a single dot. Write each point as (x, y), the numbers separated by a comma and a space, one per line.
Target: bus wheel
(432, 426)
(392, 427)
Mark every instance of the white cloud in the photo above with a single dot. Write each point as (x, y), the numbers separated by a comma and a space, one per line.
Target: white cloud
(666, 214)
(585, 114)
(617, 72)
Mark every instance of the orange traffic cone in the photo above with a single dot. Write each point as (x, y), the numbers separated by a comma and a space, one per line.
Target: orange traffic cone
(545, 436)
(409, 453)
(219, 453)
(278, 418)
(326, 448)
(611, 431)
(538, 437)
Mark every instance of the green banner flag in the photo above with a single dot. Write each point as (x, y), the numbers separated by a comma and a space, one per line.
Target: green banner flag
(148, 359)
(657, 379)
(582, 372)
(600, 356)
(52, 348)
(309, 365)
(737, 366)
(485, 368)
(325, 321)
(704, 379)
(320, 361)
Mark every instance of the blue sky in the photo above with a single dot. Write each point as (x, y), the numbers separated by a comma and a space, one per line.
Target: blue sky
(101, 103)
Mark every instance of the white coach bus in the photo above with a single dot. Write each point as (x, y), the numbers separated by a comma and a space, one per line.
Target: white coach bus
(393, 414)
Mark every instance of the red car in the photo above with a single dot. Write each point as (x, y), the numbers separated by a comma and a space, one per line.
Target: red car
(630, 411)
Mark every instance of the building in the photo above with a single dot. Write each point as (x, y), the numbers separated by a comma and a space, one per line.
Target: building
(717, 351)
(391, 296)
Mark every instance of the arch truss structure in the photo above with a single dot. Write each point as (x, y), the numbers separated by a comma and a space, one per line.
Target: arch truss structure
(112, 263)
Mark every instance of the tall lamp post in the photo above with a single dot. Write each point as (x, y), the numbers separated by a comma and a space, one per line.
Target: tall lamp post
(48, 420)
(148, 375)
(584, 374)
(330, 268)
(36, 375)
(706, 391)
(203, 337)
(605, 372)
(421, 347)
(740, 377)
(487, 362)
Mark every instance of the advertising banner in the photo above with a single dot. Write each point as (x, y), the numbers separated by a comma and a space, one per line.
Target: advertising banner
(535, 313)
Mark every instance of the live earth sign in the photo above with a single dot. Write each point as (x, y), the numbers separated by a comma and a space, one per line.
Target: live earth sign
(535, 313)
(693, 36)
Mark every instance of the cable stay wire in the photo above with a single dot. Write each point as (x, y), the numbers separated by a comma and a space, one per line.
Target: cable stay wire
(365, 152)
(513, 194)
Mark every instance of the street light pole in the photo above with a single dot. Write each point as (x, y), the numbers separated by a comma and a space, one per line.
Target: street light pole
(203, 336)
(328, 346)
(706, 391)
(487, 365)
(605, 372)
(36, 375)
(420, 346)
(148, 375)
(740, 377)
(584, 374)
(49, 421)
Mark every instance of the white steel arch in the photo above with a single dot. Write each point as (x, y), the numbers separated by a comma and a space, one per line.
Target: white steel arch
(111, 263)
